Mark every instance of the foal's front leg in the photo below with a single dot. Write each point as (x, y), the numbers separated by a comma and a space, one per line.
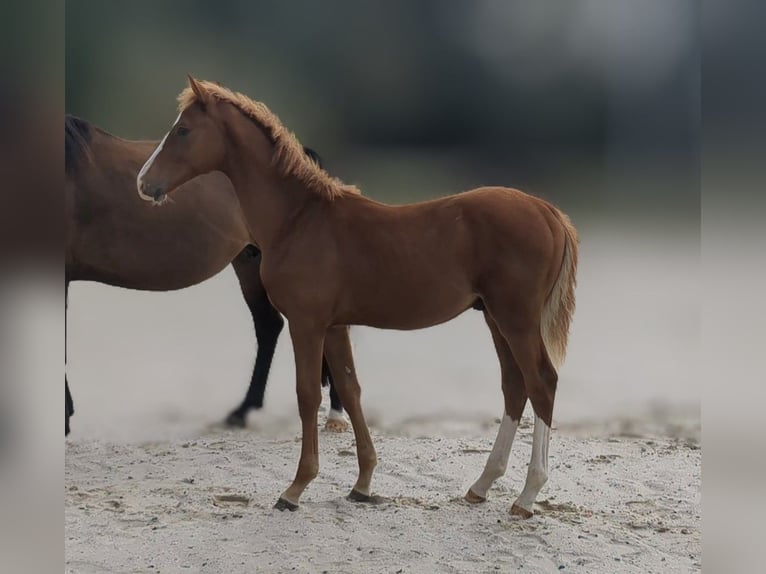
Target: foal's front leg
(307, 346)
(341, 359)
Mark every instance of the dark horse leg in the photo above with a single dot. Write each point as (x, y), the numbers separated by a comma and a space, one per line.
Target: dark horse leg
(268, 325)
(68, 402)
(68, 406)
(335, 403)
(336, 422)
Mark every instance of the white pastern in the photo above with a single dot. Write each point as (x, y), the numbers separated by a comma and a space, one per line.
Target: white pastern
(336, 415)
(497, 463)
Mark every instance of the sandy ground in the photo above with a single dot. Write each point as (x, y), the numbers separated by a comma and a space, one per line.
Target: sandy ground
(153, 486)
(621, 504)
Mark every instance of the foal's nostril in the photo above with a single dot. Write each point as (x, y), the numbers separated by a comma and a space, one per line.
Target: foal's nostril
(149, 192)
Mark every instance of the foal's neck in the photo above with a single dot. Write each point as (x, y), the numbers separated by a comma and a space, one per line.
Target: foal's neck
(270, 200)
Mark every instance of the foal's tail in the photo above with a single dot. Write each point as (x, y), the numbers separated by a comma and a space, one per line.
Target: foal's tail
(560, 305)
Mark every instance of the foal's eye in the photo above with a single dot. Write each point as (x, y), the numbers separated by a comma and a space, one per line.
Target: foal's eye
(182, 130)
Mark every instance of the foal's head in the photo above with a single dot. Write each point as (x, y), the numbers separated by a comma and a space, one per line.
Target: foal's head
(206, 128)
(193, 146)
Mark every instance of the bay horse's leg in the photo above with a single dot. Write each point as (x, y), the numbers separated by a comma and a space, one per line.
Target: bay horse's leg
(68, 402)
(307, 346)
(515, 399)
(340, 357)
(268, 325)
(336, 422)
(68, 406)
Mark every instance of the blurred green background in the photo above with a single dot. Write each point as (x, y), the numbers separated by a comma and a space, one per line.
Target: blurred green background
(593, 104)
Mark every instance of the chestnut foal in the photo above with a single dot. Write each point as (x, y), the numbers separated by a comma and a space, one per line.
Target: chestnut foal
(405, 267)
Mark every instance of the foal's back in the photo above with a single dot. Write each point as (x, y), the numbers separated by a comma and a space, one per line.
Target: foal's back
(114, 237)
(450, 231)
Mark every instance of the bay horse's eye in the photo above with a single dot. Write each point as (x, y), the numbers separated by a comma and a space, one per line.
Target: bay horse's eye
(182, 130)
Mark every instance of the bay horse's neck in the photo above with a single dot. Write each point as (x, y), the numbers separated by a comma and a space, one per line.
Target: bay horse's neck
(269, 199)
(111, 150)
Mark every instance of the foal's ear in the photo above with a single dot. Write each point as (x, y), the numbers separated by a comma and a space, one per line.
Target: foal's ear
(202, 96)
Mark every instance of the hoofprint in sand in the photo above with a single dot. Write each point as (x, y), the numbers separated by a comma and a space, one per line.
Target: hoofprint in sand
(627, 500)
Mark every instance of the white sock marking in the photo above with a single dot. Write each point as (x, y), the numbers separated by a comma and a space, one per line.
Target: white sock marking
(497, 463)
(537, 473)
(335, 415)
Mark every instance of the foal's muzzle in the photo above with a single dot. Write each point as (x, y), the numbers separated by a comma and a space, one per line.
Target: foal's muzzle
(148, 192)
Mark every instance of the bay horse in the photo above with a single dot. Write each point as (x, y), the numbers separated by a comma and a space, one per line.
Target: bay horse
(332, 258)
(115, 238)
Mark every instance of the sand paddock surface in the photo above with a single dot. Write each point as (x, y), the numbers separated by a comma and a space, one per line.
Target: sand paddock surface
(613, 504)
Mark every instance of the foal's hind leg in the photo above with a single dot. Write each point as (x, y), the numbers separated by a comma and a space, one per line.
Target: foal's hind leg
(537, 473)
(515, 398)
(540, 381)
(341, 360)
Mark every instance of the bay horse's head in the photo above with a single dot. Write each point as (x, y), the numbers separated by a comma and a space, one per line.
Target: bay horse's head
(193, 146)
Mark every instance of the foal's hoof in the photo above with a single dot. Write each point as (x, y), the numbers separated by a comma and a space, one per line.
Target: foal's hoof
(356, 496)
(517, 510)
(235, 420)
(474, 498)
(283, 504)
(336, 425)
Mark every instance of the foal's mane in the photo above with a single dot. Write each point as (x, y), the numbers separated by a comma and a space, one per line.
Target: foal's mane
(77, 134)
(289, 158)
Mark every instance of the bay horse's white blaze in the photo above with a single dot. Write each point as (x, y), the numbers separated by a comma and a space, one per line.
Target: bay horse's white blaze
(537, 473)
(145, 168)
(497, 463)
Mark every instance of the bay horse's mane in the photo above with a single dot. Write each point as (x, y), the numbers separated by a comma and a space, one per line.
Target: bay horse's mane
(290, 158)
(77, 134)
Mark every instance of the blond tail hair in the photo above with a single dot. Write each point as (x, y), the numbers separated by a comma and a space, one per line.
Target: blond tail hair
(560, 305)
